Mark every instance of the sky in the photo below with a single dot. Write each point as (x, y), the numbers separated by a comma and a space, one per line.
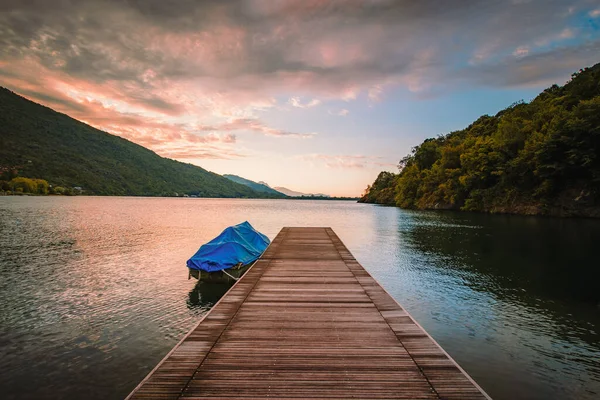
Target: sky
(317, 96)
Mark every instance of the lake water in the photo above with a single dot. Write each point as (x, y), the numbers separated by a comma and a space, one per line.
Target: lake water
(94, 291)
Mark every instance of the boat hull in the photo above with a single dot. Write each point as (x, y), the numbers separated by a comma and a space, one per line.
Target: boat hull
(220, 276)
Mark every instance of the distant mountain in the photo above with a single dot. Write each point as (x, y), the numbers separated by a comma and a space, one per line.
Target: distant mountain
(293, 193)
(288, 192)
(260, 187)
(264, 187)
(42, 143)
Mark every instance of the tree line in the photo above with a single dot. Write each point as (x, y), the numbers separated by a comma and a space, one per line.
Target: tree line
(541, 157)
(20, 185)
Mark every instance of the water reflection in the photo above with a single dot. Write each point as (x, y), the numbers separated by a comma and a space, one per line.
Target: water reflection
(512, 298)
(543, 256)
(205, 295)
(94, 291)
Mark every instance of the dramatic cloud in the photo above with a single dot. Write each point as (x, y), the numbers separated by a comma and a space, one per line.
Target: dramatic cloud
(263, 45)
(165, 73)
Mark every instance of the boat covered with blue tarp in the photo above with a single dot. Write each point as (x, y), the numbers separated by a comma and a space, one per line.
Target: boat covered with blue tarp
(237, 245)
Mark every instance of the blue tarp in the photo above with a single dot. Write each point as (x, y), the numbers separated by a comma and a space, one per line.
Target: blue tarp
(240, 243)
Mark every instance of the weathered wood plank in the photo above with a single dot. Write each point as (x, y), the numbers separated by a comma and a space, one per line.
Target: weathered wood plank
(307, 321)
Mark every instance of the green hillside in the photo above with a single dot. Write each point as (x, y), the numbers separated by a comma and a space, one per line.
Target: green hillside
(541, 157)
(44, 144)
(259, 187)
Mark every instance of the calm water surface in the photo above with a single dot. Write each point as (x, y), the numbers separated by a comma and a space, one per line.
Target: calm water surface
(94, 291)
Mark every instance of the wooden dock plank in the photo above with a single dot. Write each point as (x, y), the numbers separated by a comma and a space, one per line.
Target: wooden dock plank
(307, 321)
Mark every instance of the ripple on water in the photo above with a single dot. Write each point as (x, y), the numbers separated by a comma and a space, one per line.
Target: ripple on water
(97, 287)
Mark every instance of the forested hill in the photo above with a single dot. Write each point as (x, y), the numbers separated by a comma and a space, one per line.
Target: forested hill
(541, 157)
(41, 143)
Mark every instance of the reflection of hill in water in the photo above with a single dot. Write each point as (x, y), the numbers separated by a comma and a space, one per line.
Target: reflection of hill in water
(205, 295)
(548, 257)
(542, 267)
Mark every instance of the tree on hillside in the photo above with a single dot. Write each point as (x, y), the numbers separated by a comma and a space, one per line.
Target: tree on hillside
(542, 157)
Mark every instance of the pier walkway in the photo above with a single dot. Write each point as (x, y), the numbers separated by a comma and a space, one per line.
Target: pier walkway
(307, 321)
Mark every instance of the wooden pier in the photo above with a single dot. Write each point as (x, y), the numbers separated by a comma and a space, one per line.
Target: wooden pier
(307, 321)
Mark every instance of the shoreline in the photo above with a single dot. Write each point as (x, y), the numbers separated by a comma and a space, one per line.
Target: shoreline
(593, 215)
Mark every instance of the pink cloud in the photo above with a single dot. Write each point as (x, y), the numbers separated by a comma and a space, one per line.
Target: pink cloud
(297, 102)
(254, 125)
(162, 73)
(259, 48)
(199, 153)
(345, 161)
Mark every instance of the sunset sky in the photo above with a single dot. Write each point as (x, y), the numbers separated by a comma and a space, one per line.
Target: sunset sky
(315, 96)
